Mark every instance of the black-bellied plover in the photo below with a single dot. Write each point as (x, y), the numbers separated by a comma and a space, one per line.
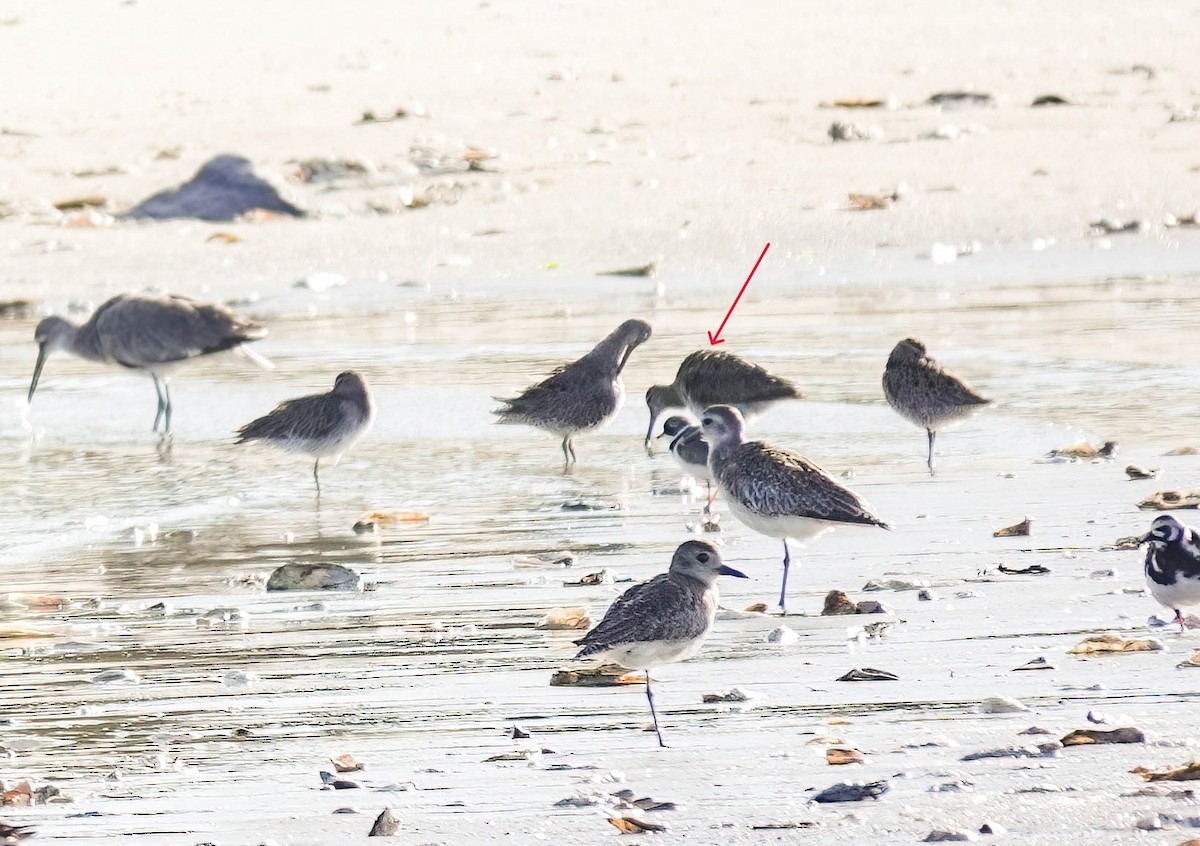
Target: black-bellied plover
(319, 425)
(925, 393)
(580, 396)
(663, 620)
(690, 451)
(1173, 565)
(154, 333)
(711, 377)
(776, 492)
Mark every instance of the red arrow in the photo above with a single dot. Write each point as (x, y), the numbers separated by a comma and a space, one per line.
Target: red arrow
(715, 338)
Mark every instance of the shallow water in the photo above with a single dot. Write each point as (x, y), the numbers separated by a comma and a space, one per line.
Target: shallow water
(421, 676)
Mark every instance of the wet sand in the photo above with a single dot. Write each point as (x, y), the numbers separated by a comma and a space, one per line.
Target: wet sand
(709, 146)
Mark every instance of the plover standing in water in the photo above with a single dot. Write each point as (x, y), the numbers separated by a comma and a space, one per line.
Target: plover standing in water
(1173, 565)
(581, 396)
(319, 425)
(663, 620)
(712, 377)
(925, 393)
(690, 451)
(154, 333)
(776, 492)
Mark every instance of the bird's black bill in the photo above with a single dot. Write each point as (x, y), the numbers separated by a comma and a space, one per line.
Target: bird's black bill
(725, 570)
(37, 371)
(625, 358)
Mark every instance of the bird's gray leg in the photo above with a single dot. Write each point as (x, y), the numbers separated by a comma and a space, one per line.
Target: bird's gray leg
(161, 404)
(932, 435)
(654, 711)
(317, 475)
(783, 587)
(1179, 619)
(568, 454)
(166, 407)
(712, 494)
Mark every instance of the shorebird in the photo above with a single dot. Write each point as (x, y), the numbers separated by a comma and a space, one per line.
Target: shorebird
(776, 492)
(1173, 565)
(320, 425)
(712, 377)
(690, 451)
(154, 333)
(663, 620)
(580, 396)
(925, 393)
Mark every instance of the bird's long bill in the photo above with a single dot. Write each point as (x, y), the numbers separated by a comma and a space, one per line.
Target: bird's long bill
(37, 371)
(725, 570)
(625, 357)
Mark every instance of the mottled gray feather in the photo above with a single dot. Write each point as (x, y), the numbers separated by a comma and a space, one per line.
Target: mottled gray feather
(668, 607)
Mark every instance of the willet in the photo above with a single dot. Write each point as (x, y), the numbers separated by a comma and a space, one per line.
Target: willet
(712, 377)
(1173, 565)
(690, 451)
(319, 425)
(154, 333)
(580, 396)
(776, 492)
(925, 393)
(663, 620)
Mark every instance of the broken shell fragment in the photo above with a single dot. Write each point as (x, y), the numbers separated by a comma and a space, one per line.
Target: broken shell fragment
(868, 674)
(346, 764)
(839, 755)
(558, 619)
(1136, 473)
(853, 791)
(1170, 501)
(1112, 643)
(386, 824)
(1185, 772)
(837, 602)
(631, 825)
(1085, 737)
(610, 675)
(1018, 530)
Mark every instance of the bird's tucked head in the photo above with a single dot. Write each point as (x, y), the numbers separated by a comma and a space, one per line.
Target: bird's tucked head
(700, 560)
(353, 386)
(1165, 530)
(722, 425)
(908, 350)
(672, 426)
(629, 336)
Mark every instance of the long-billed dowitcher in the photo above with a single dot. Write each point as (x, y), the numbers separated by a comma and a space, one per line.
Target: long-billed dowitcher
(580, 396)
(776, 492)
(925, 393)
(151, 332)
(319, 425)
(712, 377)
(690, 451)
(663, 620)
(1173, 565)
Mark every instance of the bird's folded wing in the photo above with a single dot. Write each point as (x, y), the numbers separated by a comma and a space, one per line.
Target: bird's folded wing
(658, 609)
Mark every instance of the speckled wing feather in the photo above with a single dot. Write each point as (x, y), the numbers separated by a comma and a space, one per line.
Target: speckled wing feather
(710, 377)
(1167, 564)
(660, 609)
(315, 417)
(139, 331)
(775, 482)
(566, 398)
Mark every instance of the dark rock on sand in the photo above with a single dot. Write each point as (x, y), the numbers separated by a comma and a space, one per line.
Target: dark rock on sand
(226, 187)
(314, 577)
(855, 791)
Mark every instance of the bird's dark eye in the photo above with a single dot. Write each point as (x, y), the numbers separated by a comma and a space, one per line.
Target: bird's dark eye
(702, 557)
(707, 421)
